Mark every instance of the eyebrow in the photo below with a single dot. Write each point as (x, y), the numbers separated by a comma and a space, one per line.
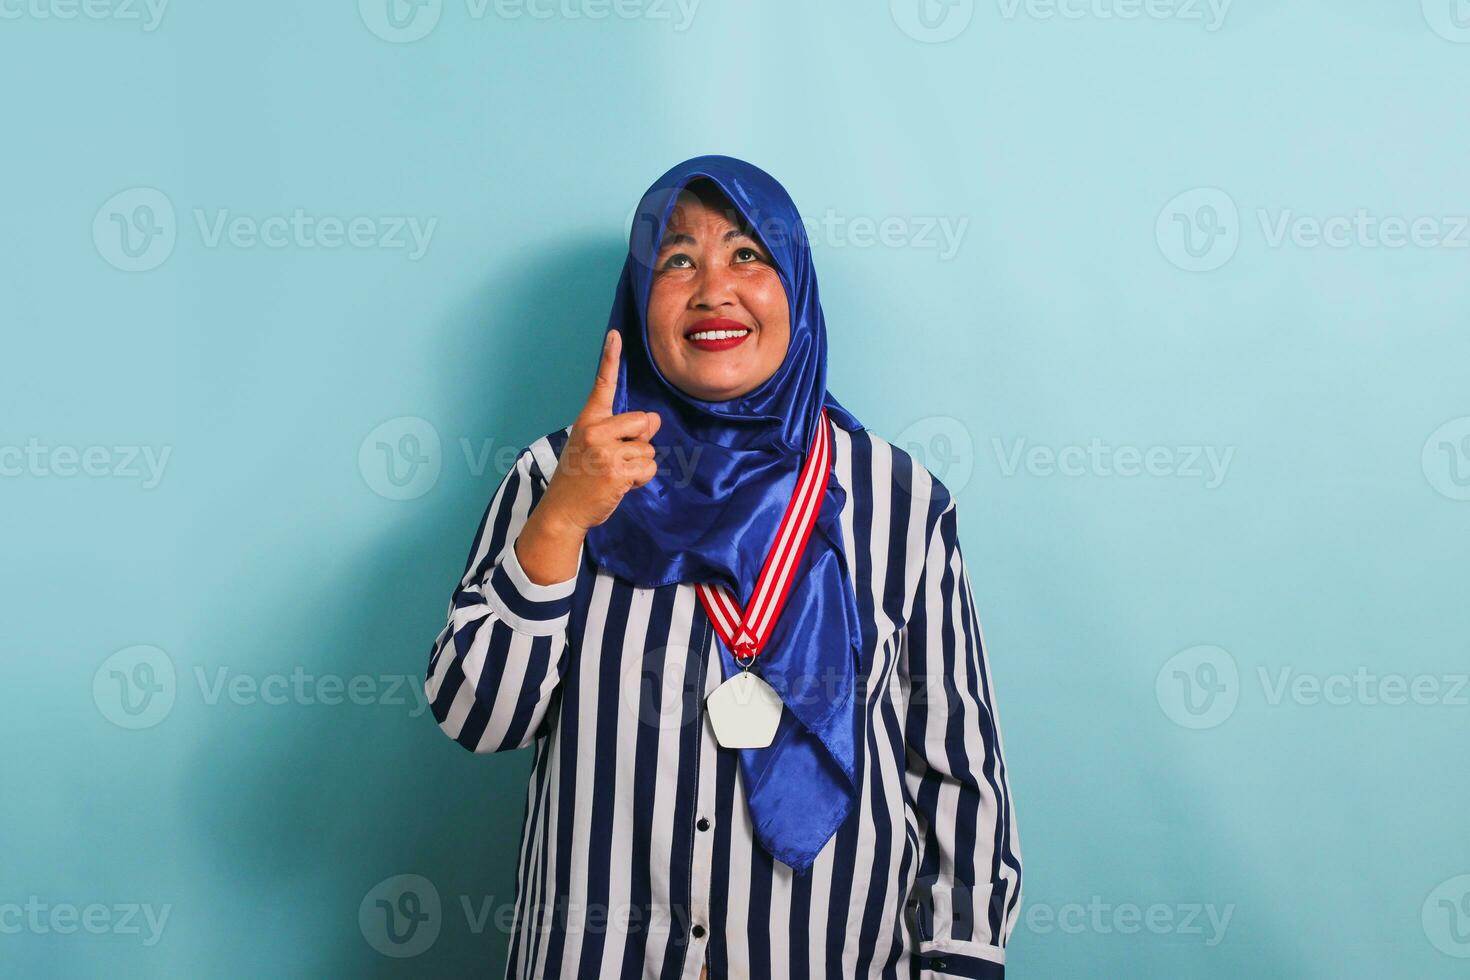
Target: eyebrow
(683, 238)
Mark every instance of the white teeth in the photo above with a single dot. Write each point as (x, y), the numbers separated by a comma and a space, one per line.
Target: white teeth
(717, 334)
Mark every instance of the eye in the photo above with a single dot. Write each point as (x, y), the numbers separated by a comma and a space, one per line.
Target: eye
(672, 262)
(747, 254)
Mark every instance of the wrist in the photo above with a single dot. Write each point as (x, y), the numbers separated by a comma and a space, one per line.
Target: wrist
(555, 523)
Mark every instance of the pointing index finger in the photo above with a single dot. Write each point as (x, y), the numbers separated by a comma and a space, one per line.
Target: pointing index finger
(600, 402)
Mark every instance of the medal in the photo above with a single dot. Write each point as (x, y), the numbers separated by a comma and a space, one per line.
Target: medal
(745, 710)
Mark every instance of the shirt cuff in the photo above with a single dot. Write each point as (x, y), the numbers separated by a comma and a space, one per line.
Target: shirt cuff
(538, 610)
(978, 961)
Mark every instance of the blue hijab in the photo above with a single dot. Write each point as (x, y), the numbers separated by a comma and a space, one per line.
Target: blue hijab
(727, 470)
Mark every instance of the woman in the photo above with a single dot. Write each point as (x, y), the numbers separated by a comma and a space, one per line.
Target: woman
(738, 630)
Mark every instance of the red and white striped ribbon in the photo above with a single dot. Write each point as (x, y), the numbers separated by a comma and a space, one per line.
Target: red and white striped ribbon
(745, 633)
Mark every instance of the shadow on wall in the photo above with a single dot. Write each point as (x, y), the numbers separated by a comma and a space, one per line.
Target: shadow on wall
(307, 809)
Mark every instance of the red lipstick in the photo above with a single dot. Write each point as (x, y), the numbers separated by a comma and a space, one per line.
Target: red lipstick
(727, 334)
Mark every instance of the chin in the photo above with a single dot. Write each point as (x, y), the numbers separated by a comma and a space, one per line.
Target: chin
(718, 392)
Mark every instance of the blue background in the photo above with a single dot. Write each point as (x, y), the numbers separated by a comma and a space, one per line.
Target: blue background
(1139, 626)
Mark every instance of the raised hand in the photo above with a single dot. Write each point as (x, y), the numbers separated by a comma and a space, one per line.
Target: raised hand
(605, 457)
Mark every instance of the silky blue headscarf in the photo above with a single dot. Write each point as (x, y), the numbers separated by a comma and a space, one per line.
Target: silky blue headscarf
(727, 470)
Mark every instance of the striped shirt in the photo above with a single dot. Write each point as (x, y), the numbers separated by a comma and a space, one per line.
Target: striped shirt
(636, 856)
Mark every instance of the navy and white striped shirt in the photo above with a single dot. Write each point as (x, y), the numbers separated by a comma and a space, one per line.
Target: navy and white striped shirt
(637, 857)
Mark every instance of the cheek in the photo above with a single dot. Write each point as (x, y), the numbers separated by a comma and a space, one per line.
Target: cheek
(663, 317)
(767, 301)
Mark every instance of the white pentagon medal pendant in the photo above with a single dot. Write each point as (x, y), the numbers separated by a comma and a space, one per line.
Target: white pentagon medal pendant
(745, 710)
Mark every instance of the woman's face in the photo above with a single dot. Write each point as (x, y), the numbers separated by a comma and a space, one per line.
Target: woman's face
(718, 320)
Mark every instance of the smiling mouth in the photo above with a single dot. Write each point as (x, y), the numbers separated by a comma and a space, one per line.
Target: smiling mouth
(717, 334)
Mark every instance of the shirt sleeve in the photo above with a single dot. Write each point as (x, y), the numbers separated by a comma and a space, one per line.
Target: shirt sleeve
(497, 663)
(967, 895)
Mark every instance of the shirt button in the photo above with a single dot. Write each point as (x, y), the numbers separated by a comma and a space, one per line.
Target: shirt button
(698, 930)
(703, 824)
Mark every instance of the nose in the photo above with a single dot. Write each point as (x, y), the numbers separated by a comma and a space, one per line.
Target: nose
(714, 287)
